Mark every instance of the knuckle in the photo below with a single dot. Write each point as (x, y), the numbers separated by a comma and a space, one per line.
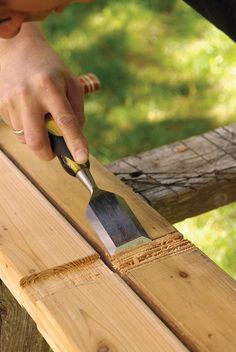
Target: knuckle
(10, 98)
(21, 90)
(65, 120)
(43, 80)
(7, 98)
(5, 101)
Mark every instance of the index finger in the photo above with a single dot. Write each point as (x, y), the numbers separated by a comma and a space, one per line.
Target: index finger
(60, 108)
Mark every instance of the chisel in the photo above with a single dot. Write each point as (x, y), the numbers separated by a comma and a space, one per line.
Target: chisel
(109, 215)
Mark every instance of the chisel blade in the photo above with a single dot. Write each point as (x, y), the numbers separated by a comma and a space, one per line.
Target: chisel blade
(114, 222)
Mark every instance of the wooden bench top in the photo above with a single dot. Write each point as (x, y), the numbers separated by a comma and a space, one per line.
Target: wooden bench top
(191, 176)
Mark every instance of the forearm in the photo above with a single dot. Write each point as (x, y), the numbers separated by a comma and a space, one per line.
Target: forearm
(222, 13)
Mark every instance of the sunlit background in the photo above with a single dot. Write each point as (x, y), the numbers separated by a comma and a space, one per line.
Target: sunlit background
(167, 74)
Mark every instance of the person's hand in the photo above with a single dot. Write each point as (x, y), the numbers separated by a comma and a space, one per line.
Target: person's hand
(33, 82)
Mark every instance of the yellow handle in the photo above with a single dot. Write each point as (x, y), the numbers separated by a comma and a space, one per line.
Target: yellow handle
(52, 126)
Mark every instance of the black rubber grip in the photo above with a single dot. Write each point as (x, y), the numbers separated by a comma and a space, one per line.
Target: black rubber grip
(59, 146)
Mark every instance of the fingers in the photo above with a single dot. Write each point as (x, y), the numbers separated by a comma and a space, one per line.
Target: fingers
(69, 116)
(17, 125)
(35, 133)
(28, 116)
(27, 108)
(9, 117)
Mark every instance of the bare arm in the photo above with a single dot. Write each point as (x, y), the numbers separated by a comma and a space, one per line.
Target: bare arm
(34, 81)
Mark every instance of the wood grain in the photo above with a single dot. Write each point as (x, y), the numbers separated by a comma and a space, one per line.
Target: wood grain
(78, 304)
(182, 304)
(185, 178)
(110, 317)
(193, 296)
(71, 196)
(41, 245)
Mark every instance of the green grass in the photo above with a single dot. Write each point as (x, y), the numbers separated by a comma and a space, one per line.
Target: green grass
(166, 74)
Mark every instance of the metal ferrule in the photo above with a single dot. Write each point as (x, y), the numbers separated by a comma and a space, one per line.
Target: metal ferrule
(87, 179)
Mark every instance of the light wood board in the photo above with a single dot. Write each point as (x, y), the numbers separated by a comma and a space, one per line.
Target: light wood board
(169, 247)
(79, 305)
(70, 195)
(193, 296)
(43, 238)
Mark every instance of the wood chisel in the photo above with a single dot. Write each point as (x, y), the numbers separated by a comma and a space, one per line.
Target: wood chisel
(109, 215)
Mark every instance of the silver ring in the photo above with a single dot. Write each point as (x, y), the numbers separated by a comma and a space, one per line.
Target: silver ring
(18, 132)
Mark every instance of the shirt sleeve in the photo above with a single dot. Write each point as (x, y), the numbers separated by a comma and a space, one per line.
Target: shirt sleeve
(222, 13)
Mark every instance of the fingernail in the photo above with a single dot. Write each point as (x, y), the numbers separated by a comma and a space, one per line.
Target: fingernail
(81, 156)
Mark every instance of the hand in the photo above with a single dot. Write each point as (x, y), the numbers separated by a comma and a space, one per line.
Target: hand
(33, 82)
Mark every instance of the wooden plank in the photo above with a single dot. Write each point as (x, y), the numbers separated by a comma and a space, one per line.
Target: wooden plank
(78, 304)
(193, 296)
(41, 246)
(167, 244)
(110, 316)
(192, 176)
(71, 196)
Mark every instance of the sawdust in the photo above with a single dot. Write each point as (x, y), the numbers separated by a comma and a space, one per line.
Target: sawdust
(72, 266)
(153, 251)
(122, 263)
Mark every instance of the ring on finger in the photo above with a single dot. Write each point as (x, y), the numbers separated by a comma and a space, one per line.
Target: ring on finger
(18, 132)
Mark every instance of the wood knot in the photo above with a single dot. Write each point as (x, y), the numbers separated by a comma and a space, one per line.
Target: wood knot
(183, 274)
(136, 173)
(181, 149)
(105, 346)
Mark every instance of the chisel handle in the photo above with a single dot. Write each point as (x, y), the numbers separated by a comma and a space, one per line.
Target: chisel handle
(90, 83)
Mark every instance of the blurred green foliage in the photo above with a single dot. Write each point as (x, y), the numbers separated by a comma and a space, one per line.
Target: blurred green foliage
(166, 74)
(215, 233)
